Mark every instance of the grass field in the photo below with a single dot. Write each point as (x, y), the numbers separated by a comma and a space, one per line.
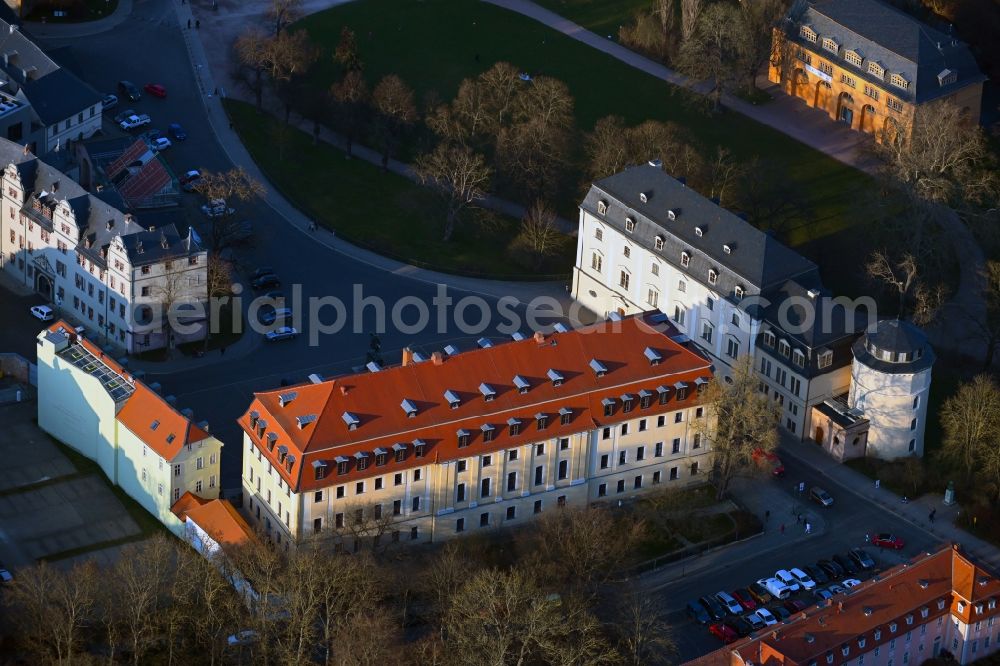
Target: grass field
(435, 44)
(375, 209)
(603, 17)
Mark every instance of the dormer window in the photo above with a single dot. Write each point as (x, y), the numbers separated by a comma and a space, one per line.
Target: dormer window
(854, 58)
(878, 634)
(362, 458)
(685, 259)
(807, 34)
(488, 393)
(699, 232)
(713, 276)
(654, 357)
(784, 348)
(861, 643)
(343, 465)
(924, 612)
(565, 415)
(769, 338)
(825, 359)
(892, 628)
(629, 224)
(898, 81)
(830, 45)
(846, 650)
(628, 402)
(609, 406)
(602, 207)
(381, 457)
(399, 452)
(682, 390)
(513, 427)
(876, 69)
(522, 384)
(409, 408)
(556, 377)
(909, 619)
(961, 606)
(272, 439)
(645, 399)
(644, 197)
(738, 291)
(947, 77)
(453, 400)
(419, 448)
(599, 368)
(463, 438)
(489, 432)
(663, 394)
(351, 420)
(319, 469)
(798, 358)
(541, 421)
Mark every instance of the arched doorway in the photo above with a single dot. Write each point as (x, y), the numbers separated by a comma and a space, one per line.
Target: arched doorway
(43, 285)
(818, 437)
(823, 96)
(845, 109)
(800, 84)
(867, 123)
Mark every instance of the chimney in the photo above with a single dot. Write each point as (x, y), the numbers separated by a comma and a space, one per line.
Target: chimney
(539, 337)
(407, 356)
(26, 150)
(840, 606)
(343, 390)
(437, 358)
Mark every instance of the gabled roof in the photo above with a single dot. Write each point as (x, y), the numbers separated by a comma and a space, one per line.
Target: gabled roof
(372, 400)
(154, 245)
(755, 259)
(897, 41)
(217, 518)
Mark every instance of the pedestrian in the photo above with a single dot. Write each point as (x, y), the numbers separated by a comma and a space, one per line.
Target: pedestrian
(222, 350)
(933, 513)
(767, 515)
(868, 537)
(809, 528)
(230, 124)
(189, 24)
(877, 484)
(782, 528)
(197, 24)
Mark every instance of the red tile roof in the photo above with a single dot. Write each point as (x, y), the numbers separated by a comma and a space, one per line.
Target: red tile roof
(144, 407)
(218, 518)
(899, 596)
(375, 399)
(131, 154)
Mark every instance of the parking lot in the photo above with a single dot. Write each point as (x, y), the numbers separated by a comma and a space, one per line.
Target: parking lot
(47, 505)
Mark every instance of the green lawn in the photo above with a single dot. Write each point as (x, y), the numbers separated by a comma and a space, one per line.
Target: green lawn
(374, 209)
(603, 17)
(435, 44)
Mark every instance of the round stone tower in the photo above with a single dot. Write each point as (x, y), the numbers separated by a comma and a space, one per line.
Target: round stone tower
(890, 380)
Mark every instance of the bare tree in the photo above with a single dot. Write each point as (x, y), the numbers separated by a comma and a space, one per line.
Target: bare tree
(539, 237)
(396, 110)
(346, 53)
(712, 51)
(140, 578)
(279, 57)
(725, 172)
(607, 147)
(899, 276)
(501, 85)
(252, 52)
(229, 185)
(351, 97)
(644, 634)
(690, 15)
(986, 323)
(532, 155)
(739, 420)
(547, 101)
(646, 33)
(971, 423)
(282, 13)
(756, 35)
(460, 175)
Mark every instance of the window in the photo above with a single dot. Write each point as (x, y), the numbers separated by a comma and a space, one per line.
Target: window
(511, 513)
(894, 104)
(738, 293)
(653, 298)
(830, 45)
(713, 276)
(606, 433)
(674, 474)
(694, 468)
(627, 251)
(460, 466)
(916, 402)
(563, 470)
(564, 444)
(898, 81)
(622, 457)
(602, 490)
(397, 480)
(620, 486)
(359, 488)
(604, 461)
(876, 70)
(794, 384)
(804, 56)
(658, 450)
(732, 347)
(415, 504)
(848, 81)
(340, 492)
(658, 243)
(629, 224)
(460, 492)
(397, 507)
(696, 444)
(706, 332)
(596, 262)
(871, 92)
(539, 475)
(685, 259)
(826, 68)
(602, 208)
(679, 313)
(654, 269)
(539, 449)
(511, 482)
(177, 468)
(640, 453)
(710, 303)
(854, 58)
(418, 474)
(623, 279)
(318, 496)
(414, 533)
(565, 416)
(807, 33)
(825, 359)
(624, 429)
(487, 461)
(512, 455)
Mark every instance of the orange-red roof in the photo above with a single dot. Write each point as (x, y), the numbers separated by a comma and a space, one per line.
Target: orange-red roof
(218, 518)
(144, 408)
(900, 596)
(375, 399)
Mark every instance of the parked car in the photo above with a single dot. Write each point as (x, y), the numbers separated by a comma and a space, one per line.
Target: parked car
(832, 569)
(766, 616)
(820, 496)
(5, 575)
(271, 315)
(175, 130)
(817, 574)
(130, 90)
(729, 603)
(217, 208)
(42, 312)
(845, 563)
(837, 588)
(795, 606)
(109, 102)
(851, 582)
(134, 121)
(713, 607)
(822, 594)
(123, 115)
(739, 625)
(245, 637)
(862, 558)
(759, 593)
(775, 587)
(754, 620)
(723, 632)
(283, 333)
(696, 611)
(787, 579)
(266, 282)
(743, 596)
(161, 144)
(803, 578)
(189, 181)
(261, 270)
(780, 612)
(768, 460)
(156, 90)
(886, 540)
(149, 136)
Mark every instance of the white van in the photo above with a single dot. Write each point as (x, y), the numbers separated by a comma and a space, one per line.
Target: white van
(777, 589)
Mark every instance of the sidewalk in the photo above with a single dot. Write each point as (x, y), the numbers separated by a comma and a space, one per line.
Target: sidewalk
(916, 513)
(756, 497)
(248, 343)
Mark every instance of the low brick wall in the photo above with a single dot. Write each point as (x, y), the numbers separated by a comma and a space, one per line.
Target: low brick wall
(15, 365)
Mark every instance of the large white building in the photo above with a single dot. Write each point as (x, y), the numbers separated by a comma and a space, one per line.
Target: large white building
(97, 264)
(646, 241)
(141, 442)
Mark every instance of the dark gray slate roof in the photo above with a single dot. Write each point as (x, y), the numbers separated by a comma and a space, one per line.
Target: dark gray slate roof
(158, 244)
(755, 261)
(791, 308)
(898, 42)
(895, 336)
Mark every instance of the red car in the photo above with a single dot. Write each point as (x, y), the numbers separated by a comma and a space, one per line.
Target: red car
(768, 460)
(745, 599)
(156, 90)
(886, 540)
(723, 632)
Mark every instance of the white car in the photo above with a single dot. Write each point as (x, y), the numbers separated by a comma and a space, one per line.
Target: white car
(851, 582)
(775, 587)
(766, 617)
(245, 637)
(803, 578)
(217, 208)
(729, 603)
(42, 312)
(131, 122)
(788, 579)
(160, 144)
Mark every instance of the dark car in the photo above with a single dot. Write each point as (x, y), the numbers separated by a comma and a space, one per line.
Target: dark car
(739, 625)
(795, 606)
(262, 271)
(123, 115)
(862, 558)
(267, 281)
(780, 612)
(743, 597)
(697, 612)
(130, 90)
(156, 90)
(846, 564)
(759, 593)
(714, 608)
(817, 575)
(176, 131)
(831, 568)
